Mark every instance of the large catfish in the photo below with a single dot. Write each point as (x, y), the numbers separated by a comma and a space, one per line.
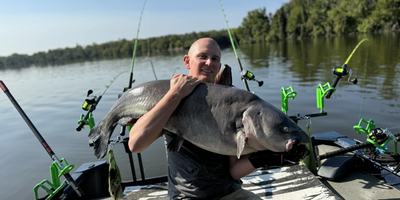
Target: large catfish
(218, 118)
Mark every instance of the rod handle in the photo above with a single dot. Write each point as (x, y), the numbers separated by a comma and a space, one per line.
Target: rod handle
(74, 185)
(328, 95)
(80, 126)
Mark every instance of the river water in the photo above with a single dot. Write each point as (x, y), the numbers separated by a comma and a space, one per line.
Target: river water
(52, 97)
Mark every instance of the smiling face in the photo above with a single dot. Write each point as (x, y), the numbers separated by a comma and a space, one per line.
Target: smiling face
(203, 60)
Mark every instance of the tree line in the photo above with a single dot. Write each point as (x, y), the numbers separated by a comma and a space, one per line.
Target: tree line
(316, 18)
(294, 20)
(112, 50)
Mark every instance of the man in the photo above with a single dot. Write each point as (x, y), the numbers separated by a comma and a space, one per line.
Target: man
(194, 173)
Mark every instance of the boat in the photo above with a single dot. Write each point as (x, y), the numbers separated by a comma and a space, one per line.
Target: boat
(354, 175)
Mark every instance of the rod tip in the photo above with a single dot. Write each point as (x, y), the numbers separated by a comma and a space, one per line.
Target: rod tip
(3, 86)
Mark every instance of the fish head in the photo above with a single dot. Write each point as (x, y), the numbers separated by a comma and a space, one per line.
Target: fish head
(268, 128)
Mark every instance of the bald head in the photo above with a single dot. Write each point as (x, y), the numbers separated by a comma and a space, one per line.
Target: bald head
(203, 59)
(206, 42)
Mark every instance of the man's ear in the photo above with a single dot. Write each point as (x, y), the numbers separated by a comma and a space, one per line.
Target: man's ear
(186, 61)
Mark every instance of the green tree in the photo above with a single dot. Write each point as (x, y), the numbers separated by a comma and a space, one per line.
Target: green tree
(296, 23)
(255, 26)
(278, 26)
(79, 54)
(385, 16)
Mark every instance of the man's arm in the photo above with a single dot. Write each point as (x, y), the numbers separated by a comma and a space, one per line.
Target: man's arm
(149, 127)
(239, 168)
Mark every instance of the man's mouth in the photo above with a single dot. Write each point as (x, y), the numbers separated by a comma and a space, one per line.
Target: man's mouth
(207, 71)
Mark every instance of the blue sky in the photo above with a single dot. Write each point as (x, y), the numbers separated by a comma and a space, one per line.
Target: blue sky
(29, 26)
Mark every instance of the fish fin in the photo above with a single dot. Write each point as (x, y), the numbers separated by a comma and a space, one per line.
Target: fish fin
(120, 95)
(175, 144)
(224, 77)
(98, 140)
(241, 141)
(126, 121)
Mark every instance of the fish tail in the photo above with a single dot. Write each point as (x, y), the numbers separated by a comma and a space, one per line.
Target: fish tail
(99, 142)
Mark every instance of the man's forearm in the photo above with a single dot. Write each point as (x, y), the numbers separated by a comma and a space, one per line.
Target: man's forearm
(239, 168)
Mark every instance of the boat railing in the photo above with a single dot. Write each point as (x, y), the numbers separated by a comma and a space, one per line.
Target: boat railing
(135, 181)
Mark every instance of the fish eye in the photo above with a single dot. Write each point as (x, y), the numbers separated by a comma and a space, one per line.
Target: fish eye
(285, 129)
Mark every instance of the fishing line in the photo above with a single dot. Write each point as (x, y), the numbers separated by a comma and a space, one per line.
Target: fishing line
(173, 73)
(365, 75)
(394, 127)
(134, 49)
(148, 56)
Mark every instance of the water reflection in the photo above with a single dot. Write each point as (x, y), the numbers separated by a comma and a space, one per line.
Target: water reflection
(376, 63)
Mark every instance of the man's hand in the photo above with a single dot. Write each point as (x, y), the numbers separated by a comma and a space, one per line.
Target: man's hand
(269, 158)
(182, 85)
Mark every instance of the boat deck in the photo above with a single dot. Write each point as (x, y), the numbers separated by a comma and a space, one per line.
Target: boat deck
(295, 182)
(357, 184)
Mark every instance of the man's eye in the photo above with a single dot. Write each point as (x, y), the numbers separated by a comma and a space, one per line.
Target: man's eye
(216, 59)
(202, 56)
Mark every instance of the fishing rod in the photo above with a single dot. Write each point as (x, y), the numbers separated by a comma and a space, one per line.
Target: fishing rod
(342, 71)
(148, 55)
(90, 105)
(134, 49)
(131, 79)
(51, 153)
(244, 75)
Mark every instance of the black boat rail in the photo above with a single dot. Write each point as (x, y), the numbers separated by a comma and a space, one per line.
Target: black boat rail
(135, 181)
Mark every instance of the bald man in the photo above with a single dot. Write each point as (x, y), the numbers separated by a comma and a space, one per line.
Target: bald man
(193, 173)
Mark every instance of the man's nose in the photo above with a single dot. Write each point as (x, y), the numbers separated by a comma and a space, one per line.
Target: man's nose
(208, 61)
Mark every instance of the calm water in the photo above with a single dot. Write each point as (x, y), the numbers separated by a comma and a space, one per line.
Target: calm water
(52, 98)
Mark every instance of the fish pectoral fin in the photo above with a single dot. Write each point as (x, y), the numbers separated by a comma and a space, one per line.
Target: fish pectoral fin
(241, 141)
(126, 121)
(175, 144)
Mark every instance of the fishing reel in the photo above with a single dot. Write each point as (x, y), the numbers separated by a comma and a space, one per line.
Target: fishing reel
(378, 135)
(89, 101)
(342, 71)
(251, 77)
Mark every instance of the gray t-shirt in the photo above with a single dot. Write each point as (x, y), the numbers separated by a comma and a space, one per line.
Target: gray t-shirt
(194, 173)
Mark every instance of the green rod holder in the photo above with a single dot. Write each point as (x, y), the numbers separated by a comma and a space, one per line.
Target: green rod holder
(89, 122)
(285, 95)
(55, 185)
(321, 93)
(368, 129)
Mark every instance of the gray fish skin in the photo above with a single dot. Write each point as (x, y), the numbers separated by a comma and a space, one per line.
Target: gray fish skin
(213, 117)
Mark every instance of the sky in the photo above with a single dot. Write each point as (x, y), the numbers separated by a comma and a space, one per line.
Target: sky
(30, 26)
